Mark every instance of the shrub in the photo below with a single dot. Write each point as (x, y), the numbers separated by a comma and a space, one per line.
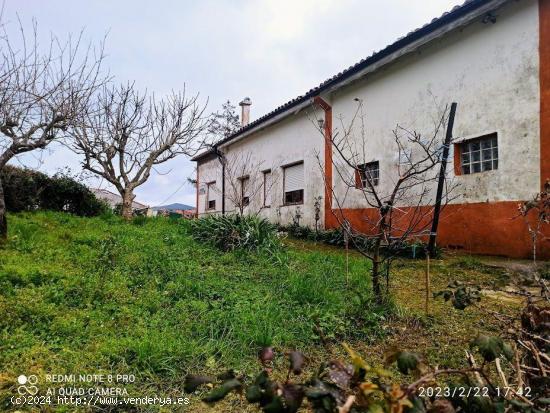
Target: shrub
(28, 190)
(415, 249)
(232, 232)
(300, 232)
(22, 188)
(409, 249)
(330, 236)
(139, 220)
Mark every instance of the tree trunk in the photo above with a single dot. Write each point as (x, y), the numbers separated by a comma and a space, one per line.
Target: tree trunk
(376, 259)
(127, 199)
(3, 219)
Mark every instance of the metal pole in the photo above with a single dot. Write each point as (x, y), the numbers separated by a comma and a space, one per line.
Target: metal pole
(441, 181)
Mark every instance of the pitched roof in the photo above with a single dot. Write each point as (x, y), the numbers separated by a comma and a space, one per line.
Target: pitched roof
(447, 18)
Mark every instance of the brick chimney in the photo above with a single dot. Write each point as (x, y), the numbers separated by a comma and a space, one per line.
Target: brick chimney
(245, 111)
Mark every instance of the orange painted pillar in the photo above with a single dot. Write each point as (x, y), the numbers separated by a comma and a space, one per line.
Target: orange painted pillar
(328, 157)
(544, 76)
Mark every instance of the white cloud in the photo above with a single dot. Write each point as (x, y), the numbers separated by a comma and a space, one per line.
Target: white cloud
(270, 50)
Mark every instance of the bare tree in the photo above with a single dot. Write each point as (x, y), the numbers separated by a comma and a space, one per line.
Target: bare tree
(536, 214)
(246, 183)
(401, 209)
(127, 133)
(41, 93)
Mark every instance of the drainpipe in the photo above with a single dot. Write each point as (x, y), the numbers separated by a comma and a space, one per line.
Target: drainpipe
(325, 106)
(221, 158)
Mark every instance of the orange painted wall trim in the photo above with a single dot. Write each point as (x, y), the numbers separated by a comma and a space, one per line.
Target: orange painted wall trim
(492, 228)
(544, 76)
(457, 152)
(483, 228)
(328, 155)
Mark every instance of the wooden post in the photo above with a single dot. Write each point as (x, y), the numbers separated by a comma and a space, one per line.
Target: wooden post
(428, 288)
(441, 181)
(346, 242)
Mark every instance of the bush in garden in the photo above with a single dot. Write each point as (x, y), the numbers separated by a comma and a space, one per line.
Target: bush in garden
(300, 232)
(337, 237)
(28, 190)
(236, 232)
(409, 249)
(23, 188)
(415, 249)
(63, 193)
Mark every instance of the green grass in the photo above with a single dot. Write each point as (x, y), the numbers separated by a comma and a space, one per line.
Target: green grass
(82, 295)
(100, 295)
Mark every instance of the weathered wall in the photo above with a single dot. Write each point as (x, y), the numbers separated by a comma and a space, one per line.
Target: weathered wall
(294, 139)
(491, 71)
(209, 170)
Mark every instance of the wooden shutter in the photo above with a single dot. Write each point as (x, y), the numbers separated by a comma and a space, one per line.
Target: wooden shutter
(294, 177)
(358, 182)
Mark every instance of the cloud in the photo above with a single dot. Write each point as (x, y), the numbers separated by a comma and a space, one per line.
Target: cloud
(270, 50)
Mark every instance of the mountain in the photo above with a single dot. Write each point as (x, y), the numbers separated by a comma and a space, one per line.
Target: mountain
(172, 207)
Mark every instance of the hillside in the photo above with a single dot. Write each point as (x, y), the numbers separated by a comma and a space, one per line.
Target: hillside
(100, 295)
(173, 207)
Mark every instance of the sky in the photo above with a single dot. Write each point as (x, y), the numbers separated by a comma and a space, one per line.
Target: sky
(269, 50)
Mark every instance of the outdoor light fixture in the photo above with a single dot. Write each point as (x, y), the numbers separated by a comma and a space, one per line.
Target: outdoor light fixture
(321, 123)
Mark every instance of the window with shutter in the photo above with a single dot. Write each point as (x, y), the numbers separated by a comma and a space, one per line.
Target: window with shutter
(294, 184)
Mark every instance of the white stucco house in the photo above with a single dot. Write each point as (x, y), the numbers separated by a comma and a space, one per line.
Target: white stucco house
(492, 57)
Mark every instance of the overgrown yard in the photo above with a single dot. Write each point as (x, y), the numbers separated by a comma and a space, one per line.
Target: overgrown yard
(99, 295)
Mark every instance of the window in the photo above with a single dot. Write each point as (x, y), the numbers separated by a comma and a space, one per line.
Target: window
(245, 195)
(268, 185)
(294, 184)
(294, 197)
(479, 155)
(367, 172)
(405, 157)
(210, 195)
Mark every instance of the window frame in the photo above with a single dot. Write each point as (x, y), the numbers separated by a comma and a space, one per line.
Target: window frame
(466, 153)
(245, 200)
(265, 173)
(299, 192)
(208, 189)
(361, 174)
